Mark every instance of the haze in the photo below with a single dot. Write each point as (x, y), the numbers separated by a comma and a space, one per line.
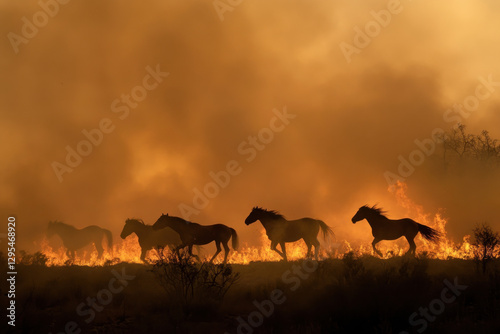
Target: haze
(226, 81)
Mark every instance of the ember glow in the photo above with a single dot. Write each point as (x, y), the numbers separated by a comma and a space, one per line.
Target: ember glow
(128, 250)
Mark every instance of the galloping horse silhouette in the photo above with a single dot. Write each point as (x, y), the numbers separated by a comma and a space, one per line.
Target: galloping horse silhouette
(148, 238)
(74, 239)
(384, 228)
(280, 231)
(196, 234)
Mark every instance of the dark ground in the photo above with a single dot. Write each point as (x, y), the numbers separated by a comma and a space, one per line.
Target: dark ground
(353, 295)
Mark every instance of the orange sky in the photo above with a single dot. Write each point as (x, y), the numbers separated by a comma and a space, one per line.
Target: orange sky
(225, 78)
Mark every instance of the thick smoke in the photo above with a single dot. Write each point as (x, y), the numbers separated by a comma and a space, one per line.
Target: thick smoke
(352, 120)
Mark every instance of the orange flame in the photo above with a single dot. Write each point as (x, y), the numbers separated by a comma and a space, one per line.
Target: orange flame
(247, 254)
(446, 248)
(128, 250)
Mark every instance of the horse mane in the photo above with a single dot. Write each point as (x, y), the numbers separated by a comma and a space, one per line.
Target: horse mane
(178, 219)
(375, 210)
(273, 213)
(60, 223)
(138, 220)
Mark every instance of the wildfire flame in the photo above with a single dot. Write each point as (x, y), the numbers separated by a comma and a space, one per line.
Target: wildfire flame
(445, 248)
(128, 250)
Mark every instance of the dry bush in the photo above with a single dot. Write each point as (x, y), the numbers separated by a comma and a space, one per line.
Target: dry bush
(485, 243)
(188, 282)
(353, 266)
(37, 259)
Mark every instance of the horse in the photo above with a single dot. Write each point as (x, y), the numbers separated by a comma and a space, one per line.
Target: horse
(196, 234)
(148, 238)
(384, 228)
(74, 239)
(280, 231)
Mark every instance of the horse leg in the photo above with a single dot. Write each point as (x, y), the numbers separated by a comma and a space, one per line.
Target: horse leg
(316, 249)
(217, 244)
(226, 252)
(71, 253)
(176, 250)
(190, 250)
(375, 241)
(99, 248)
(143, 254)
(412, 246)
(283, 249)
(309, 246)
(273, 247)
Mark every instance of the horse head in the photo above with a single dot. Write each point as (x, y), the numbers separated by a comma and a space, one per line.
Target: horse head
(360, 215)
(128, 229)
(366, 212)
(253, 216)
(161, 222)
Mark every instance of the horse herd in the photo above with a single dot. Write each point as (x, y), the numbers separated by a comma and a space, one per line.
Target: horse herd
(178, 233)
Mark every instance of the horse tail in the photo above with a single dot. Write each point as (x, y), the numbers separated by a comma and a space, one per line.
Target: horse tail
(327, 230)
(234, 236)
(429, 233)
(109, 237)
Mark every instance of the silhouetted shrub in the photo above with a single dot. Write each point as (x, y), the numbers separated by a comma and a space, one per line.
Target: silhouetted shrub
(189, 283)
(414, 266)
(353, 265)
(485, 243)
(459, 147)
(37, 259)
